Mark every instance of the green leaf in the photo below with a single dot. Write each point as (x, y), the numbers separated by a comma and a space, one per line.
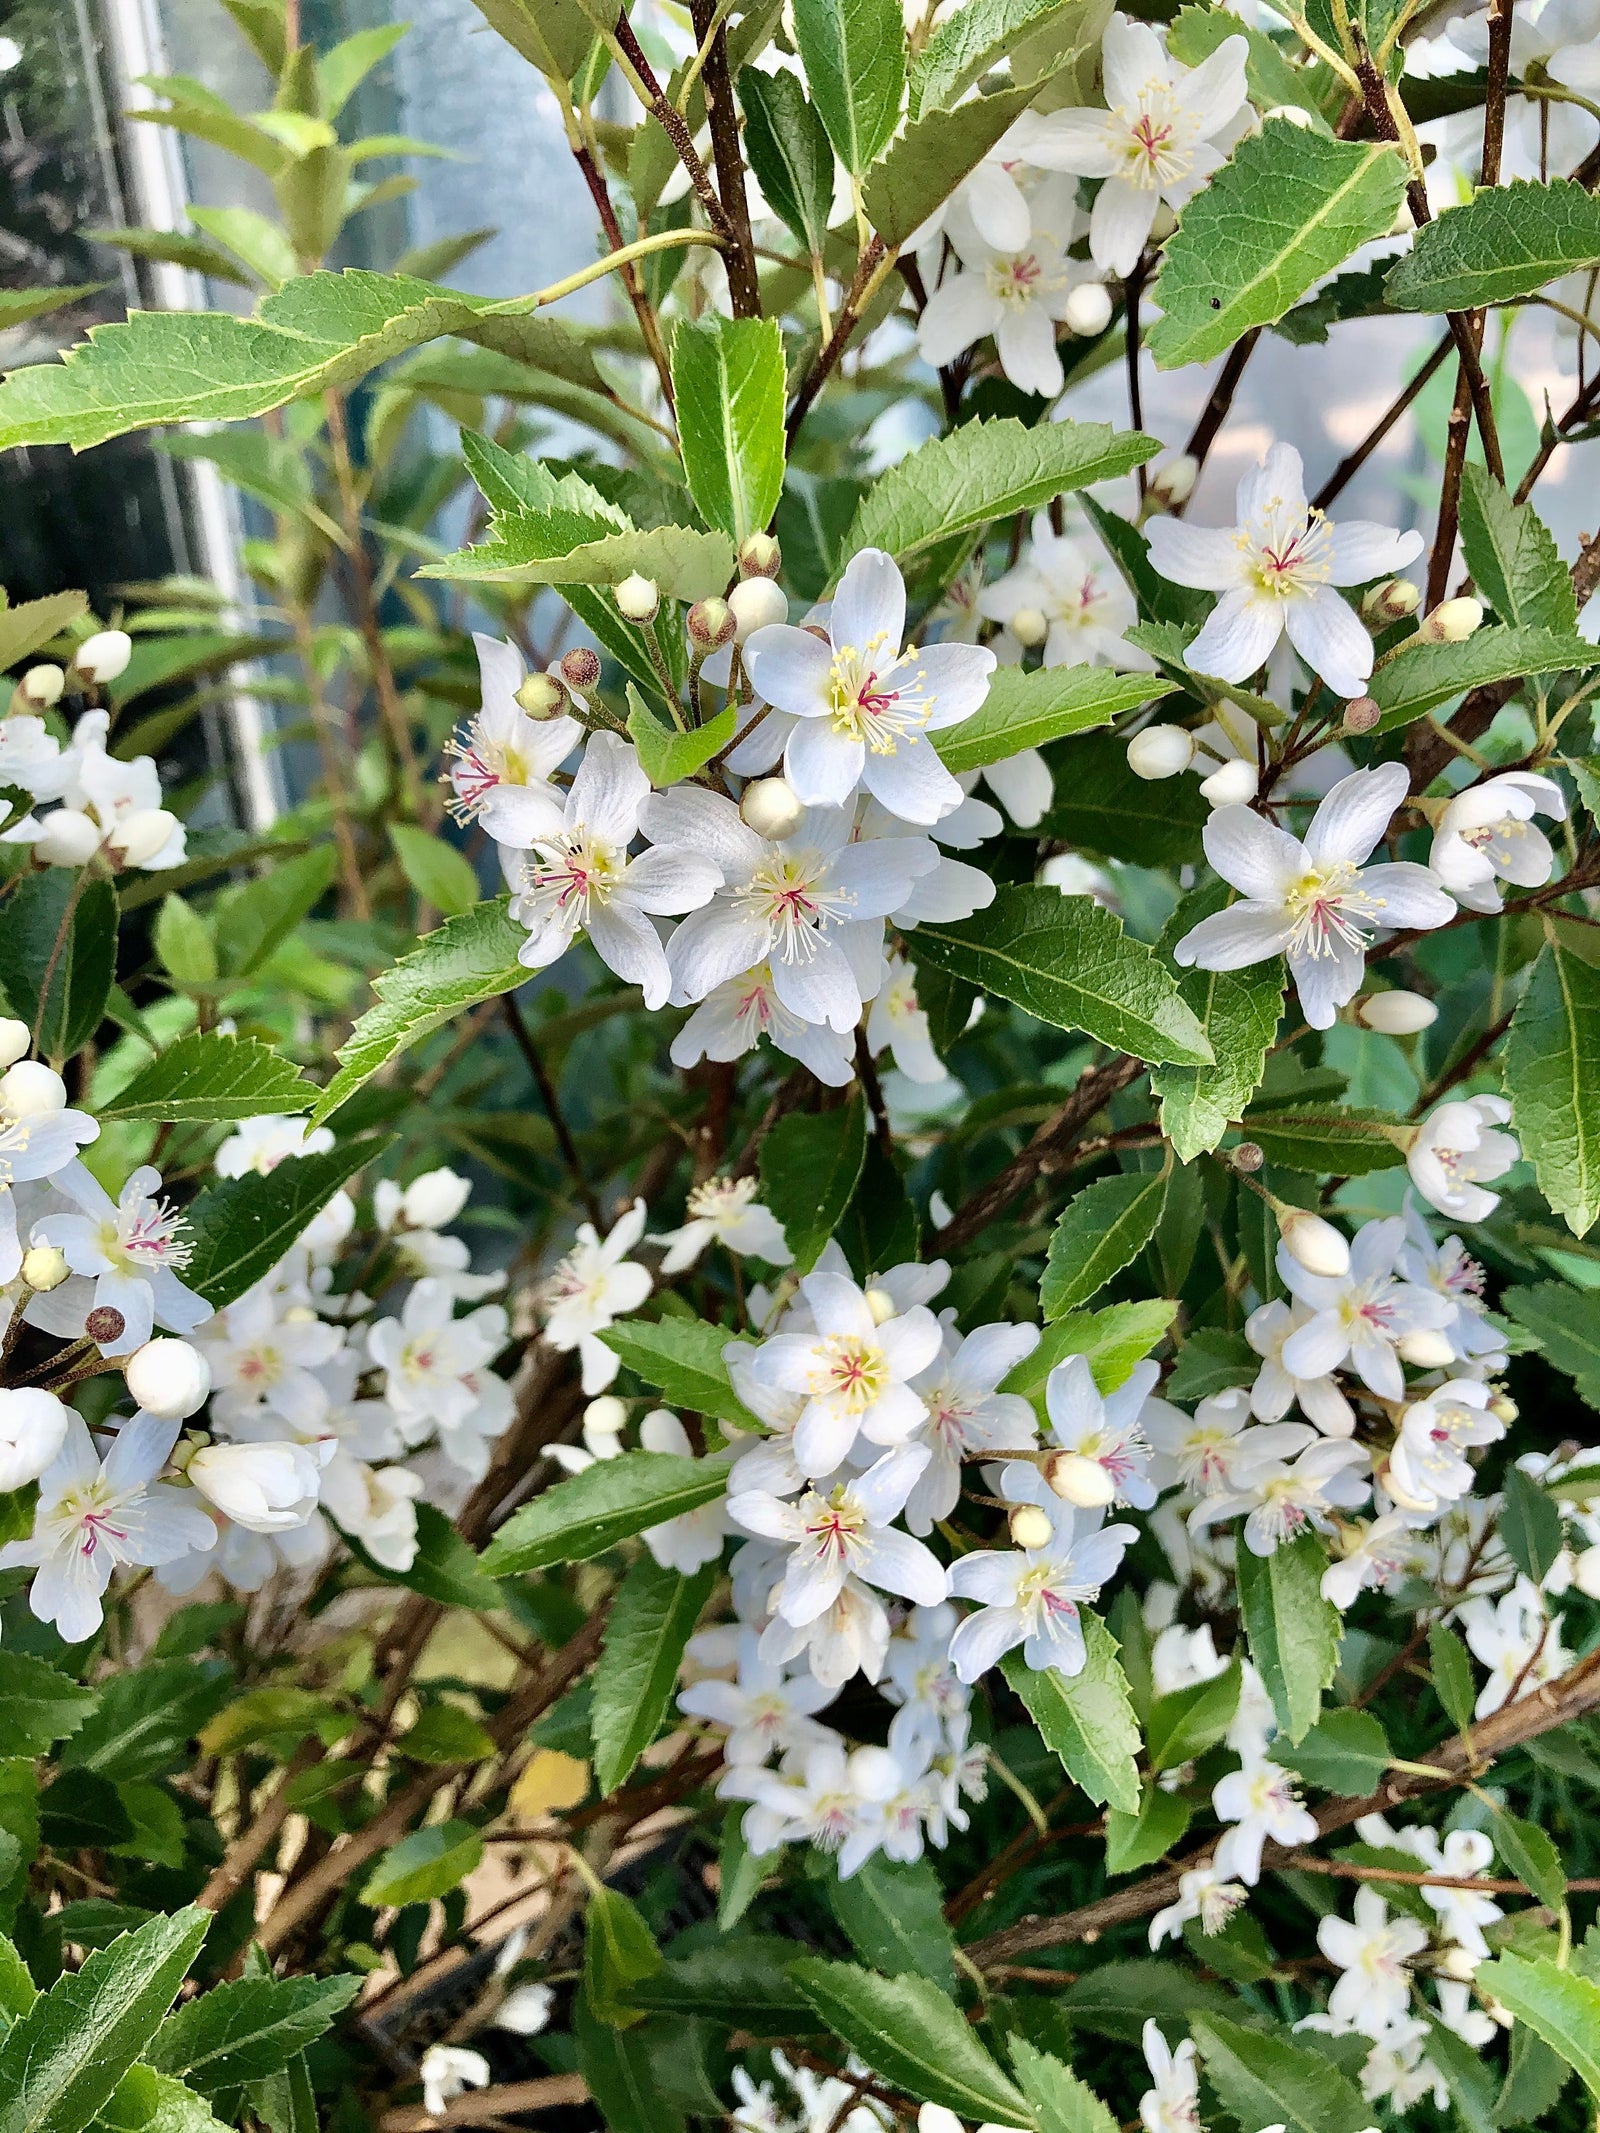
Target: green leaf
(1186, 1722)
(146, 1719)
(854, 54)
(1289, 208)
(440, 874)
(1473, 2085)
(1557, 2005)
(729, 382)
(1061, 2103)
(1293, 1631)
(257, 916)
(1346, 1752)
(185, 943)
(619, 1951)
(1507, 241)
(1086, 1718)
(1453, 1683)
(1196, 32)
(1116, 1999)
(1068, 962)
(40, 1705)
(17, 306)
(1263, 2079)
(1534, 2080)
(1209, 1361)
(241, 1227)
(444, 1567)
(444, 1734)
(810, 1162)
(1529, 1854)
(428, 1863)
(1567, 1328)
(668, 756)
(967, 44)
(1024, 710)
(62, 2061)
(468, 959)
(1530, 1524)
(31, 623)
(619, 2065)
(682, 1359)
(1140, 1839)
(1113, 1340)
(787, 147)
(930, 158)
(608, 1502)
(1553, 1079)
(58, 954)
(147, 2102)
(1102, 1229)
(1100, 806)
(893, 1914)
(1349, 1143)
(206, 1075)
(1421, 676)
(983, 471)
(1512, 557)
(912, 2034)
(247, 2029)
(539, 548)
(651, 1620)
(1239, 1011)
(740, 1978)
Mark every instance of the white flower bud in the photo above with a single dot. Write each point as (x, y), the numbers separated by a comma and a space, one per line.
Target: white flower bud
(138, 837)
(67, 838)
(1173, 484)
(1087, 310)
(1397, 1014)
(1427, 1349)
(1161, 751)
(757, 603)
(1079, 1481)
(267, 1488)
(16, 1041)
(44, 1267)
(1291, 114)
(1392, 601)
(638, 597)
(1030, 1526)
(42, 685)
(1030, 626)
(606, 1416)
(882, 1305)
(1452, 621)
(771, 806)
(33, 1428)
(103, 656)
(710, 624)
(29, 1089)
(169, 1378)
(1316, 1244)
(434, 1199)
(542, 696)
(760, 557)
(1233, 784)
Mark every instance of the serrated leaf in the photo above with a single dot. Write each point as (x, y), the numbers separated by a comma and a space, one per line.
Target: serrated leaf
(429, 1862)
(147, 2102)
(1186, 1722)
(741, 1978)
(1116, 1999)
(810, 1163)
(1345, 1752)
(1528, 1853)
(1289, 207)
(893, 1915)
(1421, 676)
(854, 54)
(41, 1705)
(185, 942)
(534, 548)
(1069, 963)
(682, 1359)
(1452, 1675)
(244, 2030)
(1196, 32)
(1113, 1340)
(31, 623)
(1209, 1361)
(207, 1075)
(241, 1227)
(1263, 2079)
(608, 1502)
(619, 1952)
(1024, 710)
(1061, 2103)
(787, 147)
(1087, 1718)
(668, 756)
(58, 954)
(1293, 1631)
(937, 150)
(1507, 241)
(651, 1620)
(984, 471)
(1309, 1137)
(1512, 557)
(146, 1719)
(1557, 2005)
(1102, 1229)
(1100, 806)
(440, 874)
(1568, 1330)
(257, 916)
(1239, 1011)
(444, 1567)
(966, 44)
(912, 2034)
(729, 382)
(1133, 1841)
(1530, 1524)
(1553, 1080)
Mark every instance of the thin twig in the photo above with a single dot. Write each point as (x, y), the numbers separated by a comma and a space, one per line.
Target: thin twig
(552, 1106)
(743, 289)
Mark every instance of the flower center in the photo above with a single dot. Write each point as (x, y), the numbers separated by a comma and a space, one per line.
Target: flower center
(150, 1235)
(1018, 279)
(1156, 149)
(787, 895)
(577, 870)
(876, 695)
(833, 1524)
(1288, 550)
(1330, 911)
(852, 1373)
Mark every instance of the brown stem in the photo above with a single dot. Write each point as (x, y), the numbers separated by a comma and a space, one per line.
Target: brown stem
(667, 117)
(632, 279)
(483, 2107)
(1353, 462)
(867, 1072)
(326, 723)
(844, 325)
(245, 1852)
(715, 78)
(1457, 434)
(1494, 96)
(1215, 413)
(552, 1106)
(790, 1095)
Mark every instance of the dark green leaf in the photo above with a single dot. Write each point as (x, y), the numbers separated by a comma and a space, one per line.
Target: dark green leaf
(810, 1162)
(608, 1502)
(651, 1620)
(243, 1226)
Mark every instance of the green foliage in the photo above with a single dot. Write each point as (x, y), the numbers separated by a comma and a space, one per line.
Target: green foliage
(242, 1227)
(908, 2031)
(606, 1503)
(728, 384)
(1087, 1718)
(41, 1705)
(1421, 676)
(207, 1075)
(246, 2030)
(1558, 2005)
(428, 1863)
(1024, 710)
(1553, 1074)
(789, 151)
(1507, 241)
(1264, 2079)
(440, 874)
(855, 60)
(682, 1359)
(809, 1167)
(1294, 1633)
(58, 956)
(1103, 1229)
(651, 1620)
(1513, 559)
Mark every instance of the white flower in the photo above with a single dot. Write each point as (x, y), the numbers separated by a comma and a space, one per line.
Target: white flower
(935, 2118)
(766, 1710)
(1105, 1433)
(1033, 1596)
(579, 877)
(1155, 143)
(1082, 602)
(501, 765)
(258, 1359)
(1456, 1150)
(899, 1024)
(93, 1517)
(259, 1145)
(1463, 1913)
(967, 1413)
(427, 1203)
(1375, 1989)
(267, 1487)
(1017, 292)
(116, 804)
(1369, 1554)
(1428, 1466)
(1276, 571)
(865, 706)
(852, 1370)
(1172, 2105)
(377, 1504)
(1023, 783)
(1205, 1452)
(735, 1016)
(39, 1138)
(448, 2069)
(526, 2009)
(725, 1211)
(1203, 1894)
(437, 1372)
(1276, 1390)
(131, 1250)
(847, 1533)
(1514, 1639)
(1258, 1801)
(1358, 1319)
(1314, 900)
(1487, 833)
(593, 1286)
(33, 1428)
(1292, 1480)
(824, 1795)
(694, 1538)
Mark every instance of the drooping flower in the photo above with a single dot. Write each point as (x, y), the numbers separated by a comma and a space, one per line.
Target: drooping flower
(898, 1024)
(1172, 2103)
(735, 1016)
(501, 765)
(725, 1211)
(1487, 834)
(1457, 1150)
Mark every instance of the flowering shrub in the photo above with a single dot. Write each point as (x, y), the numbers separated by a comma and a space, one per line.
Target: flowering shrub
(825, 1360)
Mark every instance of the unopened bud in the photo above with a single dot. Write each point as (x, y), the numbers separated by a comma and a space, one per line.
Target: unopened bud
(42, 685)
(1453, 621)
(103, 656)
(1160, 751)
(1248, 1156)
(105, 1323)
(1427, 1348)
(580, 669)
(1504, 1408)
(169, 1379)
(139, 837)
(638, 598)
(1392, 601)
(44, 1267)
(1030, 1526)
(30, 1089)
(760, 557)
(771, 807)
(1315, 1244)
(1361, 714)
(68, 838)
(605, 1416)
(757, 604)
(1397, 1014)
(1087, 310)
(1291, 114)
(1079, 1481)
(1173, 484)
(16, 1041)
(882, 1305)
(1030, 626)
(1233, 784)
(711, 623)
(543, 697)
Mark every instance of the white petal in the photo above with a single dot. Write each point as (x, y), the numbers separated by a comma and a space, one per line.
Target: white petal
(1214, 91)
(609, 789)
(1119, 224)
(1252, 853)
(1331, 639)
(712, 946)
(1248, 933)
(1278, 481)
(1131, 60)
(1359, 550)
(1207, 557)
(956, 677)
(870, 603)
(790, 668)
(959, 312)
(1239, 634)
(824, 767)
(1025, 341)
(1411, 895)
(1355, 814)
(627, 943)
(1084, 142)
(912, 783)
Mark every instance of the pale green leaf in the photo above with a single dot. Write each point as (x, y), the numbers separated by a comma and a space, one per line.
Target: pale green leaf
(1568, 1329)
(854, 54)
(441, 875)
(429, 1862)
(1293, 1631)
(1507, 241)
(1421, 676)
(1512, 557)
(1087, 1718)
(1239, 1011)
(207, 1075)
(932, 156)
(147, 2102)
(1137, 1840)
(608, 1502)
(908, 2031)
(1113, 1340)
(974, 38)
(1026, 710)
(729, 381)
(1558, 2005)
(682, 1359)
(532, 548)
(41, 1705)
(31, 623)
(1553, 1080)
(1061, 2102)
(651, 1620)
(1345, 1752)
(1340, 1139)
(1103, 1229)
(667, 755)
(244, 2030)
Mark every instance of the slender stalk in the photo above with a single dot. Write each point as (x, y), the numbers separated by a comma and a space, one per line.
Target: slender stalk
(632, 280)
(552, 1104)
(872, 270)
(640, 72)
(1354, 461)
(743, 288)
(1217, 409)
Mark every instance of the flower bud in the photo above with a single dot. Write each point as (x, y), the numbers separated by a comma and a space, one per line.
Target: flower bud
(1395, 600)
(1361, 714)
(105, 1323)
(580, 669)
(638, 598)
(33, 1428)
(757, 603)
(1314, 1243)
(30, 1089)
(543, 697)
(882, 1305)
(168, 1378)
(67, 838)
(771, 807)
(44, 1267)
(16, 1041)
(103, 656)
(265, 1487)
(1291, 114)
(1427, 1348)
(1173, 484)
(1030, 626)
(1087, 310)
(1452, 621)
(711, 623)
(42, 685)
(760, 557)
(1079, 1481)
(1504, 1408)
(1233, 784)
(1030, 1526)
(1161, 751)
(1249, 1156)
(606, 1416)
(139, 837)
(1397, 1014)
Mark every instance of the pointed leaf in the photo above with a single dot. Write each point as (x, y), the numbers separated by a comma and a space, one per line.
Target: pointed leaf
(1263, 2079)
(608, 1502)
(207, 1075)
(854, 54)
(651, 1620)
(908, 2031)
(1553, 1079)
(810, 1162)
(1086, 1718)
(729, 381)
(1025, 710)
(1103, 1229)
(1507, 241)
(242, 1227)
(1293, 1631)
